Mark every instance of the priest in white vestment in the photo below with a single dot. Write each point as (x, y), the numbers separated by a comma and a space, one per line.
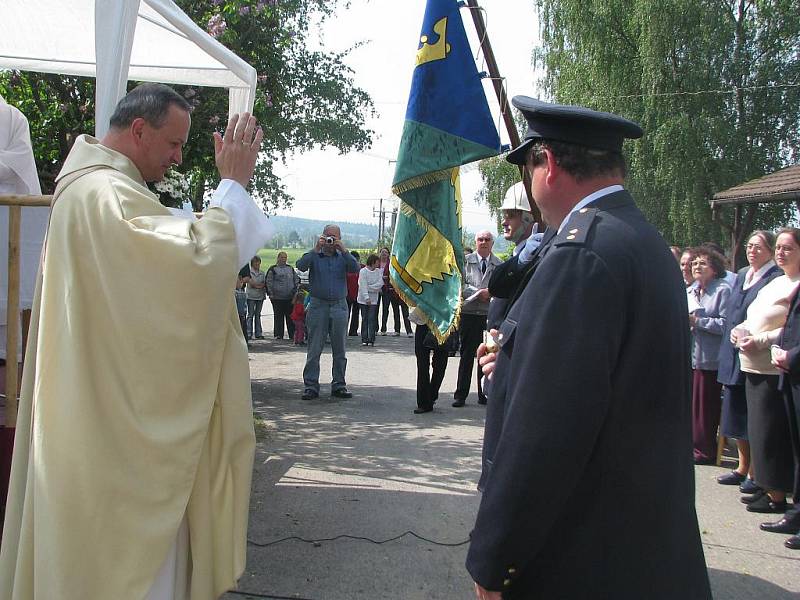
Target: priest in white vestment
(134, 446)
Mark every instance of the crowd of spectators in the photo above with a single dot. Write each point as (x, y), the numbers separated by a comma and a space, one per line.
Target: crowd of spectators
(745, 368)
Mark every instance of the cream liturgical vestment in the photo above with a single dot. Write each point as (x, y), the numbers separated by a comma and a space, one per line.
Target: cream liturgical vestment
(135, 408)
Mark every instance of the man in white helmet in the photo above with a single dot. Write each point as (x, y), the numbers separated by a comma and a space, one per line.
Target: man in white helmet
(520, 228)
(518, 223)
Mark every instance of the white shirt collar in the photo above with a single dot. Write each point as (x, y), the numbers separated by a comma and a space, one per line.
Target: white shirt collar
(589, 199)
(757, 275)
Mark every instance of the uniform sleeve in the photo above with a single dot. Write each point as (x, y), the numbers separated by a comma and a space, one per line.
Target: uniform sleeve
(565, 346)
(505, 278)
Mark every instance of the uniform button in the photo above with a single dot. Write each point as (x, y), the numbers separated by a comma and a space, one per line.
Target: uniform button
(570, 237)
(511, 570)
(573, 231)
(506, 582)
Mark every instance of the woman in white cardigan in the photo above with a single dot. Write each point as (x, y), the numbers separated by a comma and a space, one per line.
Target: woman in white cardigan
(370, 282)
(767, 422)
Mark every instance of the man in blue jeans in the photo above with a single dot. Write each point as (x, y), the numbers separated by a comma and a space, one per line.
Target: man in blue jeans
(327, 265)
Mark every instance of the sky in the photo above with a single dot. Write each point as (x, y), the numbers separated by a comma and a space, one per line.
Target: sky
(330, 186)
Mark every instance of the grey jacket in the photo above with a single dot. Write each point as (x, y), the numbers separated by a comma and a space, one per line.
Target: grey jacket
(707, 334)
(474, 280)
(282, 282)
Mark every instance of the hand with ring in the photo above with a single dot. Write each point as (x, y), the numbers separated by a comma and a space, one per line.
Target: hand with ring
(237, 151)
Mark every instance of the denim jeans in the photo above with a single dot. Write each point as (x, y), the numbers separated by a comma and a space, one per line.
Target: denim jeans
(322, 316)
(369, 322)
(254, 317)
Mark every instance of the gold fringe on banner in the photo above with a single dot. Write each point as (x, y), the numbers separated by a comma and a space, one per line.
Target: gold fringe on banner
(421, 181)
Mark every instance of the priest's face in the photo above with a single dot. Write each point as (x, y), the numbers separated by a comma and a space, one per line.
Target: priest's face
(162, 147)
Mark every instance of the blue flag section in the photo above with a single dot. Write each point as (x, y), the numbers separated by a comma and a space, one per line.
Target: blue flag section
(448, 124)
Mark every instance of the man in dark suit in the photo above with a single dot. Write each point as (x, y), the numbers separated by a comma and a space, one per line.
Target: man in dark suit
(478, 268)
(590, 392)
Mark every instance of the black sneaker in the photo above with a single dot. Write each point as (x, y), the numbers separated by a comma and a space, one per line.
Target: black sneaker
(309, 395)
(342, 393)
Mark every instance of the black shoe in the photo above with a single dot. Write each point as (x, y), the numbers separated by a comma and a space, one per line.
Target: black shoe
(259, 337)
(783, 526)
(793, 542)
(765, 505)
(753, 497)
(458, 403)
(749, 486)
(423, 409)
(482, 400)
(732, 478)
(341, 393)
(309, 395)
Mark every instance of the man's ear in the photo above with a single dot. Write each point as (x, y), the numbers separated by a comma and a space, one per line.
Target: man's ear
(553, 169)
(137, 128)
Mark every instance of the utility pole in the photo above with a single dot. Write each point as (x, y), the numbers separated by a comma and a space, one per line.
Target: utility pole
(381, 214)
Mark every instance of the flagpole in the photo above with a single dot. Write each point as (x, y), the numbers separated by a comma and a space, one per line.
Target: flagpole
(497, 82)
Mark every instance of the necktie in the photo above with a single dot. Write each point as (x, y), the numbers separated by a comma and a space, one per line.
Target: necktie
(483, 266)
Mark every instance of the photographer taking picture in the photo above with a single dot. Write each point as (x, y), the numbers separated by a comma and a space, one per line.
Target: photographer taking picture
(327, 264)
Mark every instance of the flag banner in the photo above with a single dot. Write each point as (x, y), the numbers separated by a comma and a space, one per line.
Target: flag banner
(448, 124)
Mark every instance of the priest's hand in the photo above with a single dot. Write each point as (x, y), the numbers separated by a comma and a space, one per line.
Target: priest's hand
(236, 152)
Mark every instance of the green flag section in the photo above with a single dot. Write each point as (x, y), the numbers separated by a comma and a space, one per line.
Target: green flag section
(427, 255)
(448, 124)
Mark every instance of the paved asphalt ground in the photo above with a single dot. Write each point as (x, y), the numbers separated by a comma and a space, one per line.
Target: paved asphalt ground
(346, 473)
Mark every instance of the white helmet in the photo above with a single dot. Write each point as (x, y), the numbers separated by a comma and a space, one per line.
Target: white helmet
(516, 198)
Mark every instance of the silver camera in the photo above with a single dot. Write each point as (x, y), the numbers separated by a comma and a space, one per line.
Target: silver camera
(330, 239)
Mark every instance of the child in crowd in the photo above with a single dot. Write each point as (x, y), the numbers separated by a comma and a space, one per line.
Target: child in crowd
(241, 304)
(370, 282)
(299, 318)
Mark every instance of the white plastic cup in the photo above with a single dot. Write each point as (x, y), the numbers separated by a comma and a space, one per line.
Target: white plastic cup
(740, 332)
(773, 352)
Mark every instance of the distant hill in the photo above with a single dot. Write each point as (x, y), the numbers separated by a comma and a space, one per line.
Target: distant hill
(355, 235)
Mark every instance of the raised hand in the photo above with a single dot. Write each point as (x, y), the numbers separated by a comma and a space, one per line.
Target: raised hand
(236, 152)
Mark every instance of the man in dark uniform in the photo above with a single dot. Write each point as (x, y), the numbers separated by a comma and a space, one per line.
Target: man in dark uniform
(590, 392)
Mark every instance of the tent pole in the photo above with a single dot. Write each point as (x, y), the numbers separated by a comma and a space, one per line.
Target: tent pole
(12, 315)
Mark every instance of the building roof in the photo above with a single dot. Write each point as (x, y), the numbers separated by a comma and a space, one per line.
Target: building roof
(780, 186)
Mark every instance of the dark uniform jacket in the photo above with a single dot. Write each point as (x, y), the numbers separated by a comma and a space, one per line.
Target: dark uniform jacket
(505, 280)
(728, 372)
(588, 481)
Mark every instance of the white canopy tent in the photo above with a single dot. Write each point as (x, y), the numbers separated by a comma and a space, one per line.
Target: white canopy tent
(117, 41)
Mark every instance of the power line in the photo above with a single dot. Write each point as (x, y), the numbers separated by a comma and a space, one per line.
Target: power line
(751, 88)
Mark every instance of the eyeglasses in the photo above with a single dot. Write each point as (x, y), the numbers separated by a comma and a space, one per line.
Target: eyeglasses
(699, 263)
(483, 239)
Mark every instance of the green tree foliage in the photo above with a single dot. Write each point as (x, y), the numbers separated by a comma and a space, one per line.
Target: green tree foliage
(306, 97)
(714, 83)
(498, 175)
